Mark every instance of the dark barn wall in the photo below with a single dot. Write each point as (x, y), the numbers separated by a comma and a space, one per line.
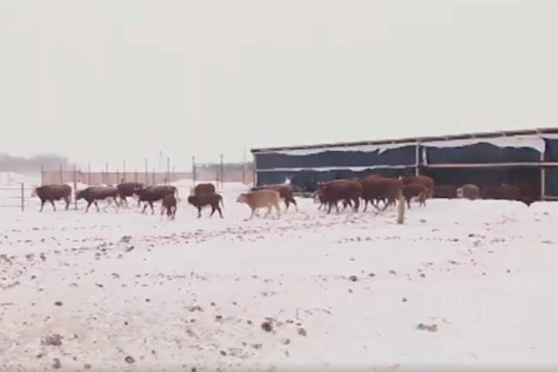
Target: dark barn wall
(400, 156)
(481, 153)
(551, 173)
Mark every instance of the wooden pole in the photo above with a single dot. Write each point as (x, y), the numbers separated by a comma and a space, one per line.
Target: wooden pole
(401, 210)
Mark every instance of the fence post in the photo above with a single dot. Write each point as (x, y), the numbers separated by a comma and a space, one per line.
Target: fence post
(401, 210)
(146, 174)
(221, 170)
(22, 197)
(194, 170)
(75, 187)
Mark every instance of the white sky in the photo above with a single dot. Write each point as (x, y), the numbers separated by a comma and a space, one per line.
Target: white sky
(121, 80)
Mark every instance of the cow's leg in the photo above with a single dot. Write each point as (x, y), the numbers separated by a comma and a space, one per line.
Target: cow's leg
(278, 210)
(97, 206)
(213, 209)
(268, 211)
(67, 200)
(42, 205)
(152, 209)
(295, 204)
(220, 212)
(253, 212)
(88, 205)
(53, 205)
(199, 212)
(144, 207)
(357, 203)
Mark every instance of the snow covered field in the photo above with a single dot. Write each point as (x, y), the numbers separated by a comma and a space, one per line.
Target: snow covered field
(462, 285)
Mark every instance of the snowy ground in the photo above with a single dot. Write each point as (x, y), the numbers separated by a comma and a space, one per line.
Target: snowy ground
(126, 291)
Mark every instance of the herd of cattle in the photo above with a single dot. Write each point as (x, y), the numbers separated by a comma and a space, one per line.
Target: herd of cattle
(379, 191)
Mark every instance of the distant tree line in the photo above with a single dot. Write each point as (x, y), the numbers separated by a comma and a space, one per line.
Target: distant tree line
(32, 164)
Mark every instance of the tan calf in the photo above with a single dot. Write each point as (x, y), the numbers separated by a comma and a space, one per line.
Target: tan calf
(261, 199)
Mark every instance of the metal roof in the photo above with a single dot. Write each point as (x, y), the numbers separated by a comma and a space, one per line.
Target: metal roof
(415, 140)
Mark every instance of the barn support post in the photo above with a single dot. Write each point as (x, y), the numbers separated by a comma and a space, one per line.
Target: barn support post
(75, 187)
(543, 178)
(22, 197)
(417, 159)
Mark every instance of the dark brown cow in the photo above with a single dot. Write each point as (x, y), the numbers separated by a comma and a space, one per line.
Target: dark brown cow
(414, 190)
(504, 192)
(151, 194)
(95, 193)
(340, 190)
(128, 189)
(445, 191)
(468, 191)
(421, 180)
(204, 188)
(214, 200)
(530, 192)
(285, 193)
(169, 205)
(52, 193)
(379, 189)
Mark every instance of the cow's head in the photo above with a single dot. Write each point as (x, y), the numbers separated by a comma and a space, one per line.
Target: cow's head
(242, 198)
(80, 194)
(192, 199)
(34, 191)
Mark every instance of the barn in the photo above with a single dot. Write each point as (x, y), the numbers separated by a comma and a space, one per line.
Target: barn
(486, 159)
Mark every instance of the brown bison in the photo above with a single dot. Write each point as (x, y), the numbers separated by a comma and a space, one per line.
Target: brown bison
(52, 193)
(379, 189)
(168, 204)
(426, 181)
(203, 188)
(468, 191)
(285, 193)
(333, 192)
(445, 191)
(414, 190)
(95, 193)
(126, 190)
(261, 199)
(504, 192)
(214, 200)
(151, 194)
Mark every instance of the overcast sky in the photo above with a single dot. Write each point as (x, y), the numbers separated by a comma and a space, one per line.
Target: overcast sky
(121, 80)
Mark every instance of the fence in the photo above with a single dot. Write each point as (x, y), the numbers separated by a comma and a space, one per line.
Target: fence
(15, 196)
